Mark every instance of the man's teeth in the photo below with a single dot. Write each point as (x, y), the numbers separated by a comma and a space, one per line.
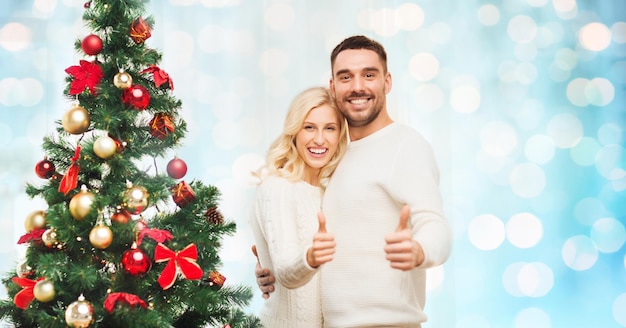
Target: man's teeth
(358, 101)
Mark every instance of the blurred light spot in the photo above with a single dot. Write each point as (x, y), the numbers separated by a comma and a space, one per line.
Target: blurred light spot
(535, 279)
(611, 161)
(434, 278)
(527, 180)
(524, 230)
(529, 115)
(411, 16)
(15, 37)
(183, 43)
(558, 74)
(565, 9)
(424, 66)
(507, 70)
(486, 232)
(510, 279)
(532, 317)
(589, 210)
(539, 149)
(440, 33)
(525, 52)
(608, 234)
(497, 167)
(584, 153)
(618, 307)
(219, 3)
(429, 97)
(522, 29)
(383, 22)
(594, 36)
(11, 92)
(565, 59)
(279, 16)
(498, 139)
(618, 31)
(610, 133)
(565, 130)
(526, 73)
(227, 106)
(576, 92)
(579, 253)
(207, 88)
(274, 62)
(44, 8)
(488, 15)
(465, 98)
(600, 92)
(210, 38)
(537, 3)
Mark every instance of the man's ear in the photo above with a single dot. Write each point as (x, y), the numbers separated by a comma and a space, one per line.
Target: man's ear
(387, 83)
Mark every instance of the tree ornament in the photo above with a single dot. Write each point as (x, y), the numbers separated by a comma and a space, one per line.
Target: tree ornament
(76, 119)
(214, 279)
(49, 238)
(160, 76)
(122, 80)
(136, 96)
(45, 169)
(135, 199)
(70, 179)
(92, 44)
(79, 313)
(23, 270)
(183, 194)
(101, 236)
(87, 4)
(161, 126)
(176, 168)
(35, 220)
(105, 147)
(120, 146)
(121, 215)
(182, 262)
(140, 31)
(44, 291)
(130, 299)
(135, 262)
(214, 216)
(80, 204)
(85, 75)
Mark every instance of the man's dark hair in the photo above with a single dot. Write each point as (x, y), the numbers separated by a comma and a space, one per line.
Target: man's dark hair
(360, 42)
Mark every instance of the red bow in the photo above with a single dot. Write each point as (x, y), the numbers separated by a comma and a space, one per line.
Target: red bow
(159, 75)
(33, 235)
(87, 75)
(130, 299)
(183, 261)
(70, 179)
(26, 295)
(158, 235)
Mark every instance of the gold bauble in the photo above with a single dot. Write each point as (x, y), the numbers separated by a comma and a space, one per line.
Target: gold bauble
(49, 238)
(104, 147)
(80, 205)
(101, 236)
(122, 80)
(135, 199)
(23, 270)
(76, 120)
(35, 220)
(79, 313)
(44, 291)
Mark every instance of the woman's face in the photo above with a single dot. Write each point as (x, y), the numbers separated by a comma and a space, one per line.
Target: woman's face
(317, 140)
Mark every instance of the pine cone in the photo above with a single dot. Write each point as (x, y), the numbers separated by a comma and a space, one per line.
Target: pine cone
(214, 216)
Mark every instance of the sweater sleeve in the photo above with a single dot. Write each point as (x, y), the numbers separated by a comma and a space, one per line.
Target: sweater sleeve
(415, 180)
(276, 209)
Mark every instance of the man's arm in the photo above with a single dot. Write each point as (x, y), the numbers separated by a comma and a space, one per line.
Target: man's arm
(264, 279)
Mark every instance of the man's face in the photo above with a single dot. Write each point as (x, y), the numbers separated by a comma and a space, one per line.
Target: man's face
(359, 85)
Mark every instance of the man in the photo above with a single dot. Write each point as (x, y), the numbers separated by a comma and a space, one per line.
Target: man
(382, 204)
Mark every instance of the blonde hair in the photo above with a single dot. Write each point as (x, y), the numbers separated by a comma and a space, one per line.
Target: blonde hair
(282, 157)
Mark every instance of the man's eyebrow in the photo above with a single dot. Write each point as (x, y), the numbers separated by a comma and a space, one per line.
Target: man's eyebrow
(366, 69)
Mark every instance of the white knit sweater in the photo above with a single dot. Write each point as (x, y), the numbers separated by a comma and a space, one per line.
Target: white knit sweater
(377, 175)
(284, 222)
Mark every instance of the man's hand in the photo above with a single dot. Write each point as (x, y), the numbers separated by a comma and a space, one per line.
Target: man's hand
(263, 277)
(323, 246)
(402, 251)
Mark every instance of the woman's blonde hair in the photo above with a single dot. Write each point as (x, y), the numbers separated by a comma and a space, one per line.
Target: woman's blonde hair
(282, 157)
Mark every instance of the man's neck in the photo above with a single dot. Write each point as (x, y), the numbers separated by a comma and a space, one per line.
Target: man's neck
(361, 132)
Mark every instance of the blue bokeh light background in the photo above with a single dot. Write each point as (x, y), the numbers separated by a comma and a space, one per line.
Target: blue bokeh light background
(523, 100)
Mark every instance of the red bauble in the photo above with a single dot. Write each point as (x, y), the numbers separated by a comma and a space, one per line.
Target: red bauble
(45, 169)
(136, 96)
(120, 216)
(176, 168)
(135, 262)
(92, 44)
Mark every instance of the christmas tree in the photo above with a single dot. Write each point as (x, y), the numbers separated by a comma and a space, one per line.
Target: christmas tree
(120, 245)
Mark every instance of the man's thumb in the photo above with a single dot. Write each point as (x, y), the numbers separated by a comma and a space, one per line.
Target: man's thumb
(322, 221)
(405, 214)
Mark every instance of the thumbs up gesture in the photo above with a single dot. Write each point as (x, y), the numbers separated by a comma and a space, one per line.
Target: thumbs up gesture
(323, 246)
(402, 251)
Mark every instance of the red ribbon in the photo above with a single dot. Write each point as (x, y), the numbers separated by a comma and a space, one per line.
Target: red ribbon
(87, 75)
(127, 298)
(26, 295)
(159, 75)
(183, 261)
(70, 180)
(158, 235)
(33, 235)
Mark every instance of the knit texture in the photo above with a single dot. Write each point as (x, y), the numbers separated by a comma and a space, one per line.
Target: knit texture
(284, 222)
(376, 177)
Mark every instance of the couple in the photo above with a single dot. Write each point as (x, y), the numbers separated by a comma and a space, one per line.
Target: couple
(379, 213)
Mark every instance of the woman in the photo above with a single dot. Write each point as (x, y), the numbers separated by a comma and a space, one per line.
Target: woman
(285, 218)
